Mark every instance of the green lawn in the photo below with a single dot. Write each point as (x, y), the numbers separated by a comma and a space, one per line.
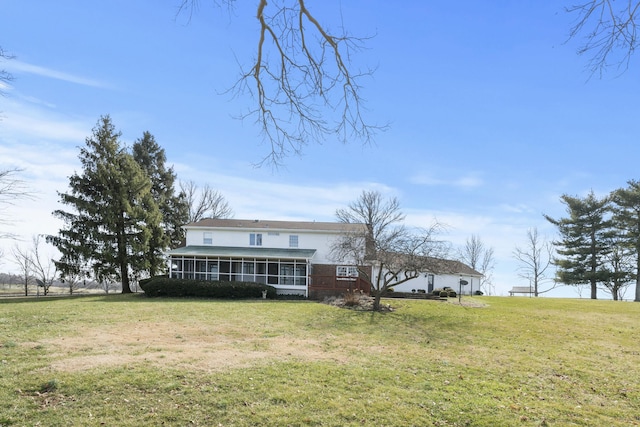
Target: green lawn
(130, 361)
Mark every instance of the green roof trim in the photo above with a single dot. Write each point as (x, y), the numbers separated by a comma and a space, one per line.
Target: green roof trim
(236, 252)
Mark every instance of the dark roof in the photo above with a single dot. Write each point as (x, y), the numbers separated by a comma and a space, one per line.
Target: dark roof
(277, 225)
(439, 265)
(455, 267)
(238, 252)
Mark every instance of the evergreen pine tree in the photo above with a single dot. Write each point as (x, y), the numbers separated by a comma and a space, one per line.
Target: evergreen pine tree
(113, 214)
(174, 208)
(583, 245)
(626, 216)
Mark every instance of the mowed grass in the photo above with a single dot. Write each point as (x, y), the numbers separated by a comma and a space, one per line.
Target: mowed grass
(131, 361)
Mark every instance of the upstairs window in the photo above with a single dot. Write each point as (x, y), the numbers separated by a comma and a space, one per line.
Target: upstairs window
(207, 238)
(293, 240)
(255, 239)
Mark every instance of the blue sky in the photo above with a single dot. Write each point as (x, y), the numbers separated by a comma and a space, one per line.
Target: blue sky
(492, 115)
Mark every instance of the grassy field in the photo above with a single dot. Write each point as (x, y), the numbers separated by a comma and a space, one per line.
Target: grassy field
(131, 361)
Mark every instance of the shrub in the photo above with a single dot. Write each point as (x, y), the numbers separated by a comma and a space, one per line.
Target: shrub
(351, 299)
(444, 294)
(479, 293)
(452, 294)
(162, 286)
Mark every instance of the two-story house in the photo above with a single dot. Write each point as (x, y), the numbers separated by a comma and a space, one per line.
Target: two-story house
(295, 257)
(292, 256)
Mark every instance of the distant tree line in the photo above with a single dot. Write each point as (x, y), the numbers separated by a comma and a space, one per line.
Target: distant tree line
(599, 244)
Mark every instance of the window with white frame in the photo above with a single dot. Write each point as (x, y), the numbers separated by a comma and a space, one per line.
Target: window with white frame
(293, 240)
(348, 271)
(207, 238)
(255, 239)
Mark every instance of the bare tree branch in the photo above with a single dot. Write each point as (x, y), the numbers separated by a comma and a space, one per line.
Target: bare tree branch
(205, 202)
(44, 268)
(23, 259)
(12, 188)
(5, 76)
(479, 257)
(302, 80)
(609, 32)
(535, 260)
(397, 253)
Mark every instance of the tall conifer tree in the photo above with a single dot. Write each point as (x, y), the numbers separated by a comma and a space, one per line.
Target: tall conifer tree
(173, 207)
(626, 216)
(113, 214)
(583, 245)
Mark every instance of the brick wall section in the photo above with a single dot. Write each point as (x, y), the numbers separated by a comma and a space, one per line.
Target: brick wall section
(324, 282)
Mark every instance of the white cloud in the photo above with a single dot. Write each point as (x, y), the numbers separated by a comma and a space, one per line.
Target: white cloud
(15, 66)
(28, 122)
(264, 197)
(520, 208)
(468, 181)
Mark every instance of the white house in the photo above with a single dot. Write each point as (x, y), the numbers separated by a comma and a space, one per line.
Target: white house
(451, 274)
(294, 257)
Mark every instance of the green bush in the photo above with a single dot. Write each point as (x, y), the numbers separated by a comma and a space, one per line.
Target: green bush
(452, 294)
(444, 294)
(162, 286)
(438, 291)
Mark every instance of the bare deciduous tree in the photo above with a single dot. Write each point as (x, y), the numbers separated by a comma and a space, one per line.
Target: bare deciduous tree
(43, 268)
(304, 86)
(610, 30)
(535, 259)
(620, 262)
(23, 259)
(205, 202)
(12, 188)
(479, 257)
(5, 76)
(73, 282)
(395, 253)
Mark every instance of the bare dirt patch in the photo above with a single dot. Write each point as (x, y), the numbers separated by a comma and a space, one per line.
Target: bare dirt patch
(183, 346)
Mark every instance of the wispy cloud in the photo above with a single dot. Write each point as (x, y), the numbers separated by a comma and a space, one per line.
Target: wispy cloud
(263, 197)
(519, 208)
(15, 66)
(468, 181)
(26, 122)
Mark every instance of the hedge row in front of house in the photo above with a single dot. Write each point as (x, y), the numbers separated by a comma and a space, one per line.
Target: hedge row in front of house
(162, 286)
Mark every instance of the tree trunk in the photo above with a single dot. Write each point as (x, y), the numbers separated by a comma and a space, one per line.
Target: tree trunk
(122, 258)
(126, 289)
(637, 290)
(376, 300)
(594, 289)
(124, 274)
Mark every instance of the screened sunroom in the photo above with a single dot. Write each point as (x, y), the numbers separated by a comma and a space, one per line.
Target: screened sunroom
(287, 270)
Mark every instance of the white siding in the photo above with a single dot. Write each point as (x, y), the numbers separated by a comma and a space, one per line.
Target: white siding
(439, 282)
(320, 241)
